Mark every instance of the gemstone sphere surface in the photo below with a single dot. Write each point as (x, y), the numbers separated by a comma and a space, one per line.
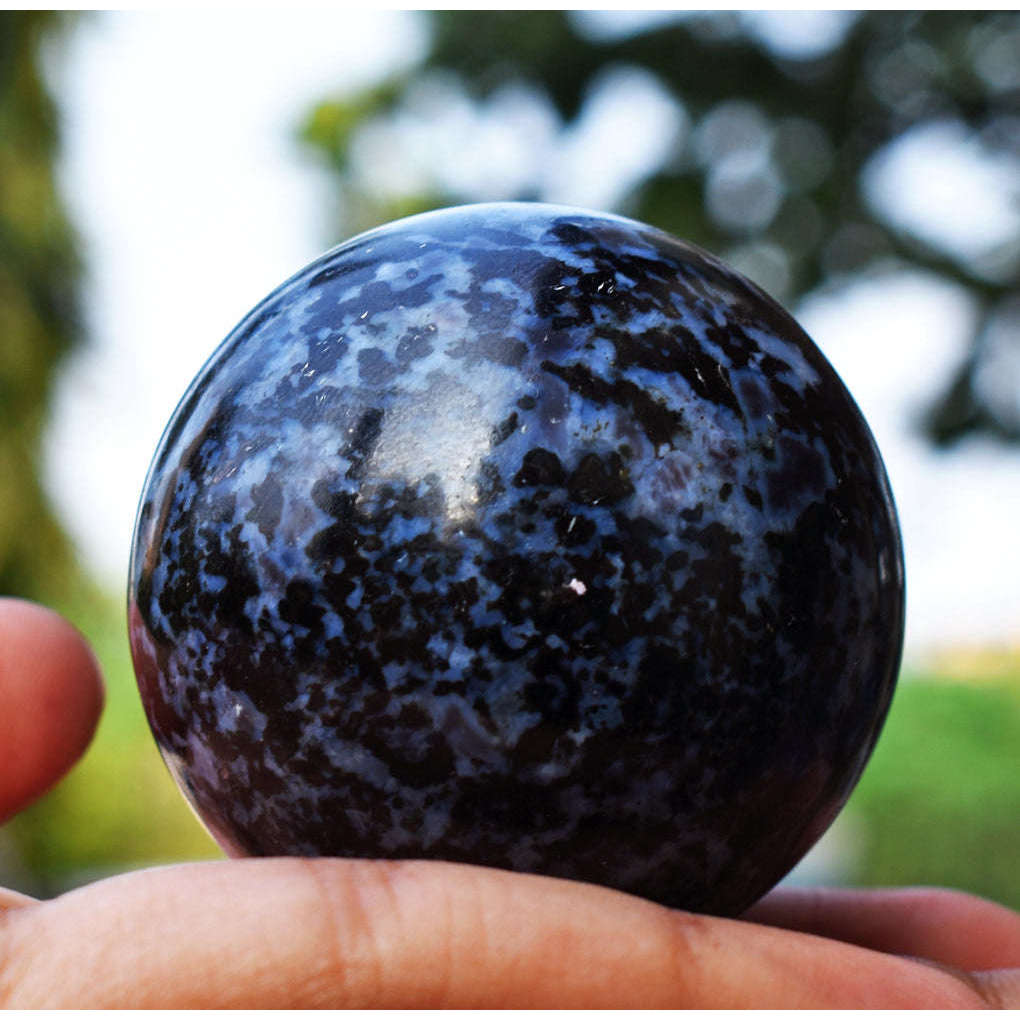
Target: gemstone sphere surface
(523, 536)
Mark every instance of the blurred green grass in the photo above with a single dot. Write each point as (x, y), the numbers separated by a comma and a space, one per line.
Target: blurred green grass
(940, 798)
(939, 802)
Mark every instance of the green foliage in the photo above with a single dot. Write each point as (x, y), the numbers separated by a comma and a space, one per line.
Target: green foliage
(771, 173)
(331, 129)
(331, 126)
(940, 799)
(38, 304)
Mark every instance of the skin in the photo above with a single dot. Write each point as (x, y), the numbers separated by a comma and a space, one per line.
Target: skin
(359, 934)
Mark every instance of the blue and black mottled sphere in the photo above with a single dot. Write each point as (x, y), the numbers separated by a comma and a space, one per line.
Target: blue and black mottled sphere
(522, 536)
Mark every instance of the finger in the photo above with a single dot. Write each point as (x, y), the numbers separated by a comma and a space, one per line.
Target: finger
(11, 900)
(51, 695)
(1000, 987)
(292, 933)
(951, 928)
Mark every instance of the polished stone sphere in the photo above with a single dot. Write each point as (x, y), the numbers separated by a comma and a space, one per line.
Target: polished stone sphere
(523, 536)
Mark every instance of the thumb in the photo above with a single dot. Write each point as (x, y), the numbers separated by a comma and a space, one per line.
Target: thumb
(51, 696)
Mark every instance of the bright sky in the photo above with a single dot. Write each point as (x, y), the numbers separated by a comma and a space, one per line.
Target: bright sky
(193, 202)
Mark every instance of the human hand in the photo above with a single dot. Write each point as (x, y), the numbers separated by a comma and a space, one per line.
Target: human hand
(352, 933)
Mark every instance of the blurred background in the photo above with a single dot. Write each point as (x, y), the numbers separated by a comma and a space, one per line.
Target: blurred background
(160, 173)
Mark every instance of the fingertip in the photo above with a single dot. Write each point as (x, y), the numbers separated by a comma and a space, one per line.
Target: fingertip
(51, 697)
(946, 926)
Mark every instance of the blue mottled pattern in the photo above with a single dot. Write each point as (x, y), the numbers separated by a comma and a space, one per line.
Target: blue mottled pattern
(526, 536)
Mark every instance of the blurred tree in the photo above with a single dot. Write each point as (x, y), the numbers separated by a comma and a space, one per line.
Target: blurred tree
(760, 142)
(120, 805)
(39, 322)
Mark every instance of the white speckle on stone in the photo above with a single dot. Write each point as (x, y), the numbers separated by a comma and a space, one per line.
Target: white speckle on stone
(235, 712)
(577, 585)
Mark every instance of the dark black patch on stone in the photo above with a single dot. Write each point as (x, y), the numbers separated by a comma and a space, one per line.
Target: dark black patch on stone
(489, 483)
(505, 429)
(540, 467)
(800, 470)
(571, 233)
(338, 270)
(374, 368)
(709, 378)
(362, 440)
(414, 344)
(267, 506)
(298, 606)
(660, 423)
(325, 350)
(598, 481)
(574, 529)
(733, 342)
(338, 504)
(489, 346)
(657, 349)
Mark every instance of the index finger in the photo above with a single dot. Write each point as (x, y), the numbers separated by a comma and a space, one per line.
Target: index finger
(362, 934)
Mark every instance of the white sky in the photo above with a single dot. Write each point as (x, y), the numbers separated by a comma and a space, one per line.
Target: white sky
(193, 202)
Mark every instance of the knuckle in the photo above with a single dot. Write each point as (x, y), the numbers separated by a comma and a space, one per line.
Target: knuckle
(372, 949)
(685, 936)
